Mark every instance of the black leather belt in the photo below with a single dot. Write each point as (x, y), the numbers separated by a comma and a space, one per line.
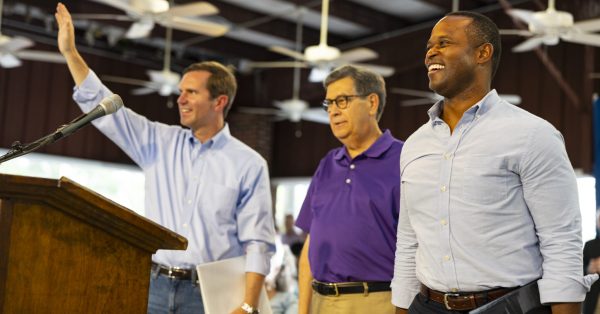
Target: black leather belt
(173, 272)
(338, 288)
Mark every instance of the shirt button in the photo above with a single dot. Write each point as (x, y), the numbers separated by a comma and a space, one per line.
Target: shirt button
(352, 166)
(446, 258)
(454, 290)
(443, 222)
(189, 202)
(185, 225)
(348, 181)
(443, 188)
(446, 156)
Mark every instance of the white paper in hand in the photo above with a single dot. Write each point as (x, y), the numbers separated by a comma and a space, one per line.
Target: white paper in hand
(222, 285)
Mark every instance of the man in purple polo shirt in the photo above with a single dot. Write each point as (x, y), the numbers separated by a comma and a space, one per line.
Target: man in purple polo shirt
(352, 206)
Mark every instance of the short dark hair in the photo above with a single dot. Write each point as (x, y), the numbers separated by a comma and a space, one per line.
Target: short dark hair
(483, 30)
(221, 81)
(365, 82)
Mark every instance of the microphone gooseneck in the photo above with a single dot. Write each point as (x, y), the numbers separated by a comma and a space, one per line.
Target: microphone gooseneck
(108, 105)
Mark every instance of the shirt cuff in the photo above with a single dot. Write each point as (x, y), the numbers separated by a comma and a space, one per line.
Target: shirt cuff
(403, 296)
(554, 290)
(258, 257)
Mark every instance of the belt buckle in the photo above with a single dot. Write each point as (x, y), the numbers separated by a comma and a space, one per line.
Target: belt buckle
(446, 295)
(172, 270)
(337, 292)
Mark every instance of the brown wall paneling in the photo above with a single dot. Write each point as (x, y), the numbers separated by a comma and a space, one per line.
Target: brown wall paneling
(36, 107)
(15, 101)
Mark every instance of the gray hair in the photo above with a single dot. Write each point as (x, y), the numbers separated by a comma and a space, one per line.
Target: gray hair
(365, 82)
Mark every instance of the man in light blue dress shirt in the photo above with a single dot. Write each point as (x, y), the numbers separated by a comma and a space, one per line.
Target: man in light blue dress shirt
(488, 195)
(200, 181)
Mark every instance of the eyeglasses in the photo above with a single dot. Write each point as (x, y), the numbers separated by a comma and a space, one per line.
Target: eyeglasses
(341, 101)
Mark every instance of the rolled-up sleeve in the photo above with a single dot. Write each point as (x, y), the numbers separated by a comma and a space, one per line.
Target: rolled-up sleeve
(550, 191)
(405, 284)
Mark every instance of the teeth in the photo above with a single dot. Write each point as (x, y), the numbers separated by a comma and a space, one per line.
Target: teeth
(435, 67)
(185, 110)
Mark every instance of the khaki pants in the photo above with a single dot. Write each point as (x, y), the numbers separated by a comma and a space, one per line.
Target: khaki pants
(353, 303)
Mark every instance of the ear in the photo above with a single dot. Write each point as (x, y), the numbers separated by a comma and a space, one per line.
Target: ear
(373, 104)
(221, 102)
(485, 53)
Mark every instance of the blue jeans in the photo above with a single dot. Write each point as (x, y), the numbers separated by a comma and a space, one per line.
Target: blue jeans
(174, 296)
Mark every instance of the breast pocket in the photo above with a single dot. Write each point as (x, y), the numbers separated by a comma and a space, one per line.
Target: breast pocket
(484, 180)
(219, 202)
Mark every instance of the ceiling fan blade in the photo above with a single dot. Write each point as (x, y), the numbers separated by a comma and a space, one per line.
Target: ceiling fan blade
(126, 80)
(417, 93)
(417, 102)
(318, 74)
(113, 17)
(121, 5)
(140, 29)
(193, 9)
(277, 64)
(511, 98)
(288, 52)
(522, 15)
(592, 25)
(583, 38)
(164, 77)
(37, 55)
(16, 43)
(517, 32)
(7, 61)
(358, 54)
(197, 26)
(382, 70)
(143, 91)
(315, 115)
(529, 44)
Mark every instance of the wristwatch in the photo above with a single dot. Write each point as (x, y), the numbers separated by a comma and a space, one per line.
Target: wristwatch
(249, 309)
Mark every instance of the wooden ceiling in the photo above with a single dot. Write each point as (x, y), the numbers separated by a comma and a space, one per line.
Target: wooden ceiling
(386, 26)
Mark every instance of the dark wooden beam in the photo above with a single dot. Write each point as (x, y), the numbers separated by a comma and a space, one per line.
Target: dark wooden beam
(446, 5)
(271, 25)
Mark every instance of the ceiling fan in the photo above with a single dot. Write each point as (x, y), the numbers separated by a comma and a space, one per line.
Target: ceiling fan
(164, 82)
(294, 109)
(429, 98)
(13, 49)
(550, 26)
(322, 58)
(145, 13)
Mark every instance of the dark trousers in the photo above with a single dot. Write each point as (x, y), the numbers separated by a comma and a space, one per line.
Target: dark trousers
(422, 305)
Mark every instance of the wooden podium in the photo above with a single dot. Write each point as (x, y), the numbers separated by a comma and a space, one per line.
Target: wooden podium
(66, 249)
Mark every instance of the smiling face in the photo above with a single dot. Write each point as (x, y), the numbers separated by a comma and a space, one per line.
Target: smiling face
(451, 58)
(197, 108)
(354, 121)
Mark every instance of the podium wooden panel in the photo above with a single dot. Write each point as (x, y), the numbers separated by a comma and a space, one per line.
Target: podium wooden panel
(66, 249)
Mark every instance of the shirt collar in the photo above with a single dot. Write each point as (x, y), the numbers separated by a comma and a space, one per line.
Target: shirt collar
(381, 145)
(480, 108)
(217, 140)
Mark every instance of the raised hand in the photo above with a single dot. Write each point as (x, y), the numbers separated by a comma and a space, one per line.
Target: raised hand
(66, 31)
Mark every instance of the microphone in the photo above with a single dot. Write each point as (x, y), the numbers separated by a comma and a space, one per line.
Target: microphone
(108, 105)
